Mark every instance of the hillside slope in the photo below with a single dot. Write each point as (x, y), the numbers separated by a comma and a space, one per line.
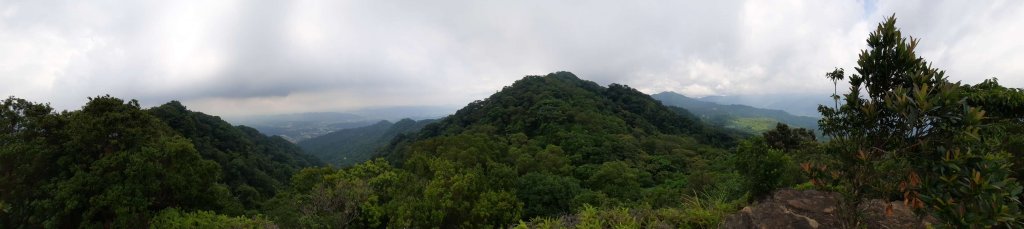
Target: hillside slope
(113, 164)
(253, 165)
(740, 117)
(799, 104)
(539, 105)
(350, 146)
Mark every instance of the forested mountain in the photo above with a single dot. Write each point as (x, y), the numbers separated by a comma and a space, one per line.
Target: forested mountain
(253, 165)
(113, 164)
(539, 105)
(110, 164)
(350, 146)
(740, 117)
(796, 104)
(542, 147)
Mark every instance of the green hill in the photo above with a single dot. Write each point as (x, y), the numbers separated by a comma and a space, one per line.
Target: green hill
(739, 117)
(542, 147)
(114, 164)
(350, 146)
(253, 165)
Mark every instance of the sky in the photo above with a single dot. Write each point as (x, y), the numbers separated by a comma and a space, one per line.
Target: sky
(236, 57)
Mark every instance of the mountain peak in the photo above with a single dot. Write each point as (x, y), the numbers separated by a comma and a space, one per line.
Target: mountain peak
(560, 105)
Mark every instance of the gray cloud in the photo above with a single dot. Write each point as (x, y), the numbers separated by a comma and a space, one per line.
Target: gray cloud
(236, 57)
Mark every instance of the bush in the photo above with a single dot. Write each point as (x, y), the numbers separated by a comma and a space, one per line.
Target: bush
(590, 218)
(975, 190)
(906, 132)
(174, 218)
(707, 210)
(699, 210)
(764, 169)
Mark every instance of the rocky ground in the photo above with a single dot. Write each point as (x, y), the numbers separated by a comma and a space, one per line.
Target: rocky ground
(789, 208)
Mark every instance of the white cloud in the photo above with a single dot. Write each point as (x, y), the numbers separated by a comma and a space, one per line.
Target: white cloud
(697, 90)
(227, 57)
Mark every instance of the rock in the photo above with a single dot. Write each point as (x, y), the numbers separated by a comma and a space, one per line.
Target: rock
(901, 217)
(740, 220)
(790, 208)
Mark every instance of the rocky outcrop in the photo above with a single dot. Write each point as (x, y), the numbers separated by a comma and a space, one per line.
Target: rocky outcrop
(790, 208)
(902, 216)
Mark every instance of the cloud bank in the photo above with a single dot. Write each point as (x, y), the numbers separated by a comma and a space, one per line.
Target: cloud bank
(265, 57)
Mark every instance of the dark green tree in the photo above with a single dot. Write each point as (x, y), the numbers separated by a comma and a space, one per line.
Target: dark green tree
(546, 195)
(764, 168)
(1004, 118)
(904, 131)
(124, 165)
(31, 136)
(110, 164)
(254, 166)
(788, 139)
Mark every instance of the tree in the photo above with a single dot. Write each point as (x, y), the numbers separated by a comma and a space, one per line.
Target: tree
(174, 218)
(617, 179)
(546, 194)
(30, 139)
(1004, 118)
(109, 164)
(763, 168)
(788, 139)
(254, 166)
(904, 131)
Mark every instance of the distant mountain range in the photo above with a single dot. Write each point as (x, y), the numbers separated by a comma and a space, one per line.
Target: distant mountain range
(739, 117)
(350, 146)
(397, 113)
(301, 126)
(797, 104)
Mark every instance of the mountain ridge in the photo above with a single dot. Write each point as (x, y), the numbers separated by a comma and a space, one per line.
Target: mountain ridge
(742, 117)
(254, 166)
(350, 146)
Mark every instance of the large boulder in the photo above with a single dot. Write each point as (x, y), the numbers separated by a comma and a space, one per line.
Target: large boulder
(789, 208)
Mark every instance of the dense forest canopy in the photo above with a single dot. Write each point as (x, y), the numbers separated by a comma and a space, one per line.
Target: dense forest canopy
(551, 151)
(253, 165)
(113, 163)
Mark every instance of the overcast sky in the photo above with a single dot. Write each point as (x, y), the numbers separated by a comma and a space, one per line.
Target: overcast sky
(262, 57)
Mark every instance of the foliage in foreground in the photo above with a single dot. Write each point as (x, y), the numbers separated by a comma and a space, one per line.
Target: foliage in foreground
(700, 210)
(905, 132)
(173, 218)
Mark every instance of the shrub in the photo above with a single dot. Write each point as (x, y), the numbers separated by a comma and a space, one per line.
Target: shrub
(174, 218)
(764, 169)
